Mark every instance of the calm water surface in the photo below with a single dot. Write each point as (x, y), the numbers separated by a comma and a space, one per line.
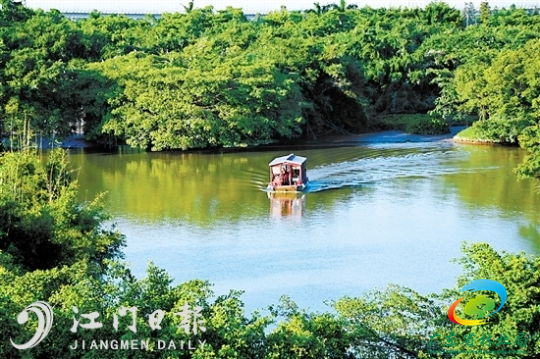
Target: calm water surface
(375, 214)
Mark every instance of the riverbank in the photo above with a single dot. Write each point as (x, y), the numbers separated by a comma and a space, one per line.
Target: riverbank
(73, 141)
(391, 137)
(77, 141)
(471, 135)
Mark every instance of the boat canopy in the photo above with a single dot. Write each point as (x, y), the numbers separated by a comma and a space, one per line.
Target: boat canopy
(292, 158)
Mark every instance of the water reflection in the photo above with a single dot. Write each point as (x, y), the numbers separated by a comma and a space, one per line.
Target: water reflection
(287, 204)
(210, 189)
(530, 232)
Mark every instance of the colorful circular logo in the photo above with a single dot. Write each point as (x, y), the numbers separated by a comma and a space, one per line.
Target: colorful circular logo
(479, 305)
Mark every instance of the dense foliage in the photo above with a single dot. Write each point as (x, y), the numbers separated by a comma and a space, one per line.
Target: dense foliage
(39, 214)
(206, 78)
(59, 251)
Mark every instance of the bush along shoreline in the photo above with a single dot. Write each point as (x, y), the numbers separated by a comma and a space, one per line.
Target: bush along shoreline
(504, 132)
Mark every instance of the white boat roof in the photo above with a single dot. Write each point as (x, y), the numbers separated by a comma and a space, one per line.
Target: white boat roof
(292, 158)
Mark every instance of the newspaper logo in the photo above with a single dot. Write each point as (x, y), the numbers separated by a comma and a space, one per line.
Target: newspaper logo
(44, 315)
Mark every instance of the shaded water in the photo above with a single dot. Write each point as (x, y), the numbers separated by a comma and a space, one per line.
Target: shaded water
(373, 215)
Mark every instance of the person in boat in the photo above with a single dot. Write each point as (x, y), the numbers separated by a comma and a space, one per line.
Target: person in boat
(276, 181)
(285, 174)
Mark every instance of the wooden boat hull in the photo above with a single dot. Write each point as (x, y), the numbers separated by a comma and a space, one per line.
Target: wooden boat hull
(289, 188)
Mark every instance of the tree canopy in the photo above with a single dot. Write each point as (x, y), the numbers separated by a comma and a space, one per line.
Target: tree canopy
(206, 78)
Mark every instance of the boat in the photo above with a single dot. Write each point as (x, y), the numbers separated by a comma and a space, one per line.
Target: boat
(288, 174)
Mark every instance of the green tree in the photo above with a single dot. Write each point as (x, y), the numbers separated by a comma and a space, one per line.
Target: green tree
(530, 140)
(485, 12)
(35, 200)
(396, 322)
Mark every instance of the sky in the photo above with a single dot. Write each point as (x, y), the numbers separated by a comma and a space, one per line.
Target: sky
(249, 6)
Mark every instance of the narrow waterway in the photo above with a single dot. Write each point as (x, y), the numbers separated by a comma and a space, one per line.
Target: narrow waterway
(374, 214)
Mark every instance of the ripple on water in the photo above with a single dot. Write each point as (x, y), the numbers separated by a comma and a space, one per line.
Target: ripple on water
(354, 168)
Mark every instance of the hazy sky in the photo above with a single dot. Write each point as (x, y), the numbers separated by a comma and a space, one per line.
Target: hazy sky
(249, 6)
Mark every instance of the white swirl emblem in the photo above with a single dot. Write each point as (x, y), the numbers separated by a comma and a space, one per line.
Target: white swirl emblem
(44, 314)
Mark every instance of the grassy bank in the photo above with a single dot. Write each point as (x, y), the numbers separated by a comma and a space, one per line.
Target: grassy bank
(496, 131)
(473, 135)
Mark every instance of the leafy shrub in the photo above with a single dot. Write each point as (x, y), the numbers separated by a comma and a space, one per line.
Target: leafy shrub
(530, 140)
(418, 123)
(428, 126)
(500, 130)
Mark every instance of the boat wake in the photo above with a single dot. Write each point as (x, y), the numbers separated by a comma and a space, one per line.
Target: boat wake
(352, 167)
(377, 164)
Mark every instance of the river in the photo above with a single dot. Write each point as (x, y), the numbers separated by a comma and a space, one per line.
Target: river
(375, 214)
